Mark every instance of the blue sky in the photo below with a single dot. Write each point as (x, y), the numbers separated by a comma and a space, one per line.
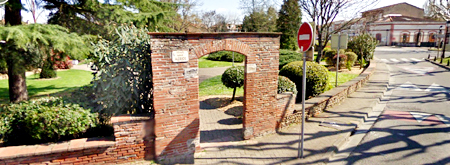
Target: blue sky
(232, 7)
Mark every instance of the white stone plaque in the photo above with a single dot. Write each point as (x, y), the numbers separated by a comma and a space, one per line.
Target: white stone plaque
(190, 73)
(180, 56)
(251, 68)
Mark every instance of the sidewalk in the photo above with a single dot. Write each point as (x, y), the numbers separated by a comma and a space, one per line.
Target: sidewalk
(323, 134)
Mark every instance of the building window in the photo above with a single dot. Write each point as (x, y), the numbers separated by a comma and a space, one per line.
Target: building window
(405, 38)
(432, 37)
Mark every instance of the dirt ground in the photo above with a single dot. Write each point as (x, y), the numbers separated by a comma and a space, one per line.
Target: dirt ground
(222, 103)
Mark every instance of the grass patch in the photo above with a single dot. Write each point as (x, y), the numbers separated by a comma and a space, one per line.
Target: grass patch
(443, 62)
(214, 86)
(203, 62)
(343, 78)
(67, 80)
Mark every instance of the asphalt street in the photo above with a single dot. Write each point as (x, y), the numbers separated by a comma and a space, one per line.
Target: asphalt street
(414, 126)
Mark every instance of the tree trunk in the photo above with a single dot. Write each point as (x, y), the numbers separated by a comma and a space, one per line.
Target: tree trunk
(234, 94)
(12, 13)
(17, 82)
(16, 73)
(319, 50)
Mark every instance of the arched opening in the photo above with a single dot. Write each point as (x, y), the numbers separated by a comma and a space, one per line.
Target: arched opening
(404, 38)
(378, 37)
(431, 37)
(220, 118)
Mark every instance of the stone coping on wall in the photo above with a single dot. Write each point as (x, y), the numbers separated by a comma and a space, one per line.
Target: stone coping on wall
(11, 152)
(214, 33)
(129, 118)
(50, 148)
(323, 98)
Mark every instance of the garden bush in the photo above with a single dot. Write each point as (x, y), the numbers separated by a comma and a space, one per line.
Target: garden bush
(226, 56)
(233, 77)
(3, 67)
(342, 60)
(364, 46)
(43, 120)
(351, 59)
(47, 70)
(287, 56)
(316, 77)
(286, 85)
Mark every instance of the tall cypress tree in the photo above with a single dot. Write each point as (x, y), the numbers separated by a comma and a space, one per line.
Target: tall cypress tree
(289, 19)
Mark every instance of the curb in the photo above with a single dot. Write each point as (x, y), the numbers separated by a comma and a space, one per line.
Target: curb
(361, 125)
(347, 136)
(438, 64)
(315, 106)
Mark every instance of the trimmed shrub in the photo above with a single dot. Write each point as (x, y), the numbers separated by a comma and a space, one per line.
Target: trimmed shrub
(351, 59)
(287, 56)
(286, 85)
(226, 56)
(233, 77)
(63, 64)
(43, 120)
(316, 77)
(47, 70)
(342, 60)
(329, 54)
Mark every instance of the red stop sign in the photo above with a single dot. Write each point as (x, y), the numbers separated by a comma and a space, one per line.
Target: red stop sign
(305, 36)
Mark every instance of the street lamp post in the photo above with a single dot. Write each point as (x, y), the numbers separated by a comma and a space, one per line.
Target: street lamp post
(387, 34)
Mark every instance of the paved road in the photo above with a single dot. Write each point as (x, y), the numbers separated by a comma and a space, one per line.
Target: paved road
(413, 127)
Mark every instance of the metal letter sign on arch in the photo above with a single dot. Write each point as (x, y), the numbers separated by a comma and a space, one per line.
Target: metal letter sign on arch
(305, 37)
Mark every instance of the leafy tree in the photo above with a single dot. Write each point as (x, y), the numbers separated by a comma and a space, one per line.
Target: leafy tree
(124, 81)
(233, 78)
(98, 18)
(29, 46)
(260, 21)
(364, 46)
(324, 12)
(289, 18)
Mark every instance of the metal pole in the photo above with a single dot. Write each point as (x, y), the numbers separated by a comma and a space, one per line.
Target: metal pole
(303, 102)
(445, 40)
(233, 60)
(337, 64)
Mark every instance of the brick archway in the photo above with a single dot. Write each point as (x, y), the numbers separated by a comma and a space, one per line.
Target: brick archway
(176, 102)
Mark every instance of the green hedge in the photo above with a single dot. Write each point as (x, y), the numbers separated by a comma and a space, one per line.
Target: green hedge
(226, 56)
(316, 77)
(286, 85)
(43, 120)
(351, 59)
(287, 56)
(234, 77)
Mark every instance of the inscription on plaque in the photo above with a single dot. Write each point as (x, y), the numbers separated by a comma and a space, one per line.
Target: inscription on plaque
(251, 68)
(190, 73)
(180, 56)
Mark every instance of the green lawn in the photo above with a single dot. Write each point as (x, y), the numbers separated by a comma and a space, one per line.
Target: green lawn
(214, 86)
(443, 62)
(67, 80)
(343, 78)
(203, 62)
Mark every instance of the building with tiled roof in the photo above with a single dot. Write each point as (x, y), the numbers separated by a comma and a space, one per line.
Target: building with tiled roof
(402, 24)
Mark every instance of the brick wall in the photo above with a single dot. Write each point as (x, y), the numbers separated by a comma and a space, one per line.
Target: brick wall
(176, 101)
(133, 140)
(286, 113)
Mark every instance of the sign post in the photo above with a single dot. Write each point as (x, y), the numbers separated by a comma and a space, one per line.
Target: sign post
(338, 41)
(305, 40)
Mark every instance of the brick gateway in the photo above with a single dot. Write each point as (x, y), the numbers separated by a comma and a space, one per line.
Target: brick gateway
(176, 102)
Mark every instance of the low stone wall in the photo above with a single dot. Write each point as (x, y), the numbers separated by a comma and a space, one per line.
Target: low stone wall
(286, 108)
(133, 140)
(316, 105)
